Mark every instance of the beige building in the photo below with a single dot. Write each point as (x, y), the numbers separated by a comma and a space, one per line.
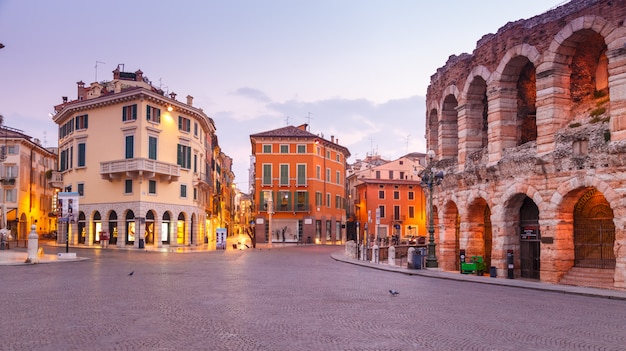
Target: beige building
(141, 162)
(530, 131)
(27, 198)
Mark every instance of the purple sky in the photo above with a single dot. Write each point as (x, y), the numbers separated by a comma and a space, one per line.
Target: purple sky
(354, 69)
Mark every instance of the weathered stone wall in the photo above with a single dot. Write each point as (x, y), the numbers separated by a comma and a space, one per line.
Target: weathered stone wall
(576, 85)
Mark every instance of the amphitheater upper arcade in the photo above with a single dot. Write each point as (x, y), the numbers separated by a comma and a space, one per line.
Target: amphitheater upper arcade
(530, 130)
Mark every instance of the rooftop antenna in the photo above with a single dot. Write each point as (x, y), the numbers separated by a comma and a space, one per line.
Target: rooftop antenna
(97, 62)
(372, 146)
(308, 119)
(407, 143)
(287, 120)
(44, 138)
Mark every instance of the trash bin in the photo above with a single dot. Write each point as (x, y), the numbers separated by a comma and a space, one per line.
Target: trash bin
(492, 272)
(141, 243)
(418, 257)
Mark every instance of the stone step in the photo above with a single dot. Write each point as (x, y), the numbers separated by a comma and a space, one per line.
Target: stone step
(590, 277)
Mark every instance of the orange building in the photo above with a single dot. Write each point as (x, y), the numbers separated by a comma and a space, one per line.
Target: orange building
(388, 200)
(299, 187)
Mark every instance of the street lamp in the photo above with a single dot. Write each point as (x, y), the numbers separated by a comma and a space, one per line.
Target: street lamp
(430, 178)
(270, 212)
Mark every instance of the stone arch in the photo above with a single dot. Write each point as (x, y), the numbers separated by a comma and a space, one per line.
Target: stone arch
(450, 236)
(573, 76)
(181, 228)
(113, 227)
(514, 114)
(432, 126)
(150, 230)
(448, 124)
(130, 229)
(96, 225)
(473, 115)
(476, 232)
(166, 227)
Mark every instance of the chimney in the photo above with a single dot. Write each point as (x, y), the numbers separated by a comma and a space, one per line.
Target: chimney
(64, 99)
(332, 138)
(173, 95)
(139, 76)
(189, 100)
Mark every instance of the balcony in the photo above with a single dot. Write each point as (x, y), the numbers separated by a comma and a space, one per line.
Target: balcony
(55, 179)
(139, 168)
(202, 181)
(7, 182)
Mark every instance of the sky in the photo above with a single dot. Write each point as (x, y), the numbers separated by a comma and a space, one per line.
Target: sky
(357, 70)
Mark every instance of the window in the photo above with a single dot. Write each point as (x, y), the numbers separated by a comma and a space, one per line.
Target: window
(81, 122)
(152, 148)
(195, 129)
(129, 113)
(338, 177)
(152, 187)
(411, 195)
(184, 124)
(381, 194)
(183, 190)
(301, 149)
(13, 149)
(411, 212)
(183, 158)
(338, 158)
(10, 195)
(318, 172)
(318, 198)
(377, 174)
(284, 201)
(401, 175)
(337, 201)
(284, 174)
(327, 199)
(302, 201)
(381, 208)
(195, 193)
(284, 149)
(128, 186)
(153, 114)
(337, 231)
(81, 189)
(396, 213)
(66, 129)
(396, 195)
(327, 175)
(301, 177)
(195, 163)
(267, 174)
(328, 154)
(390, 174)
(267, 149)
(130, 140)
(81, 154)
(11, 171)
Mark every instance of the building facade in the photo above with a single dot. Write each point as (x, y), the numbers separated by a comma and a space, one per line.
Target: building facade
(142, 164)
(386, 201)
(299, 187)
(530, 131)
(27, 197)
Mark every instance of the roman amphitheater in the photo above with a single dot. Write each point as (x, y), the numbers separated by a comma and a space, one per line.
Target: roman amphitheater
(530, 132)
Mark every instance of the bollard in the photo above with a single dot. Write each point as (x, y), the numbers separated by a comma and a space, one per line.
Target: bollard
(391, 257)
(409, 257)
(375, 255)
(33, 245)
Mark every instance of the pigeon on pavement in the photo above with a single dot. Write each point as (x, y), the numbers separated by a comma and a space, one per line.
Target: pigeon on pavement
(393, 292)
(131, 273)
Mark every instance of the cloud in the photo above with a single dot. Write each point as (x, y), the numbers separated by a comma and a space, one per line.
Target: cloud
(253, 94)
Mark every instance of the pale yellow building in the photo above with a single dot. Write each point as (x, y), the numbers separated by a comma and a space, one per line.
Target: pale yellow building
(141, 161)
(27, 197)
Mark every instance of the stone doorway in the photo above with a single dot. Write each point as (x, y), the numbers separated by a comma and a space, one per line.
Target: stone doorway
(530, 240)
(594, 232)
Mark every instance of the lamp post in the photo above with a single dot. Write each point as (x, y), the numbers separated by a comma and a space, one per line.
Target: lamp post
(270, 211)
(430, 178)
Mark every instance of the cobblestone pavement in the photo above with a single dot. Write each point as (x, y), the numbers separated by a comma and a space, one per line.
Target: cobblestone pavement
(295, 298)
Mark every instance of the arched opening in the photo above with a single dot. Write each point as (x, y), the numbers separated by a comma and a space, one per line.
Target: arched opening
(526, 100)
(433, 130)
(476, 110)
(449, 131)
(594, 231)
(149, 227)
(165, 228)
(96, 226)
(180, 229)
(479, 230)
(82, 228)
(530, 240)
(113, 228)
(130, 227)
(450, 243)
